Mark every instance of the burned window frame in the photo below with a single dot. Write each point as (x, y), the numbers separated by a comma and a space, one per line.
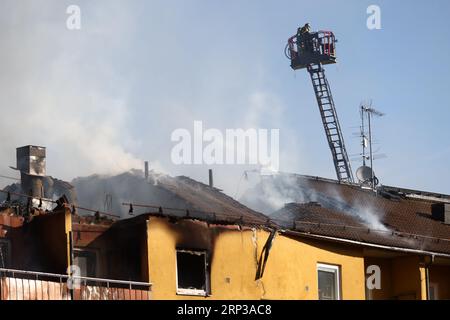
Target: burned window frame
(207, 273)
(334, 269)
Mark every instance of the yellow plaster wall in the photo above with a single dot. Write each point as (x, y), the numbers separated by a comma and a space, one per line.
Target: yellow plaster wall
(385, 292)
(440, 275)
(408, 278)
(291, 271)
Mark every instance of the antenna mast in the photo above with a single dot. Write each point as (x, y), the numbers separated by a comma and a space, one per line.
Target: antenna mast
(370, 112)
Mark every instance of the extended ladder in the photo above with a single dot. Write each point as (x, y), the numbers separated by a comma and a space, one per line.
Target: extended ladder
(330, 122)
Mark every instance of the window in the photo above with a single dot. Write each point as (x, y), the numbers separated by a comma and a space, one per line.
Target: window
(86, 260)
(4, 253)
(192, 273)
(329, 282)
(433, 289)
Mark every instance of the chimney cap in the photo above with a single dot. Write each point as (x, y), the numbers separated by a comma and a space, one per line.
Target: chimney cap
(31, 160)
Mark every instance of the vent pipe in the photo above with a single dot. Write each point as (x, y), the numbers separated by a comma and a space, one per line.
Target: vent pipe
(146, 170)
(211, 183)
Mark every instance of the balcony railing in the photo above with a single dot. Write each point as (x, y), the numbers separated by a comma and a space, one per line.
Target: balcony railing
(31, 285)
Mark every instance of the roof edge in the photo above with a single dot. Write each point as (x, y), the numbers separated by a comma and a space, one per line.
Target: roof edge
(365, 244)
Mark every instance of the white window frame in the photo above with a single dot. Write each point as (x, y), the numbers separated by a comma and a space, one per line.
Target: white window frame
(332, 269)
(192, 292)
(435, 287)
(91, 250)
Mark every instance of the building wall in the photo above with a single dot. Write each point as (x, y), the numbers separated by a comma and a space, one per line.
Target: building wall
(120, 249)
(41, 244)
(401, 278)
(406, 275)
(440, 277)
(291, 270)
(385, 290)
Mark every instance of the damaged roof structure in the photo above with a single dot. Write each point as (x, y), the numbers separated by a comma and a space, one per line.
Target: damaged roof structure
(184, 238)
(391, 217)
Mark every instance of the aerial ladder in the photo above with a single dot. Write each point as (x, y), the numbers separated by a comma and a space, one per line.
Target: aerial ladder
(313, 50)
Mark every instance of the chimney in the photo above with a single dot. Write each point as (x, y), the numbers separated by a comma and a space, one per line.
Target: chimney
(441, 211)
(31, 163)
(211, 183)
(146, 170)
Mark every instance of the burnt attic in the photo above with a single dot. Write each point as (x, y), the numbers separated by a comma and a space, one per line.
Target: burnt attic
(176, 194)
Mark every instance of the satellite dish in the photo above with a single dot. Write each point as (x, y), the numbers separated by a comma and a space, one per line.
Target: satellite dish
(364, 174)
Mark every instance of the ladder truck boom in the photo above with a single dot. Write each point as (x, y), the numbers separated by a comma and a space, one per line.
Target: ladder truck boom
(311, 51)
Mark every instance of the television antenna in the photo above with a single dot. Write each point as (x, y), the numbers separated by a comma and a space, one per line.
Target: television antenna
(365, 173)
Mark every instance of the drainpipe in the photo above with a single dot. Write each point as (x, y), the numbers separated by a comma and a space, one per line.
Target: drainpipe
(427, 275)
(71, 259)
(427, 281)
(426, 263)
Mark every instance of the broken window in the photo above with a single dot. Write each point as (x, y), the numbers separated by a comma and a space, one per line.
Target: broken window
(4, 253)
(329, 282)
(192, 272)
(86, 260)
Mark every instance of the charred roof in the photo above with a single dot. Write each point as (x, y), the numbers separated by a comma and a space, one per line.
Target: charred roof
(347, 211)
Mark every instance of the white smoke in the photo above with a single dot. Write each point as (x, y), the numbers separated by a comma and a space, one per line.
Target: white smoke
(57, 92)
(274, 192)
(104, 97)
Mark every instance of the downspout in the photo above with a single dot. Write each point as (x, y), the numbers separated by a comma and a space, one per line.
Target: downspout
(427, 276)
(261, 266)
(424, 269)
(427, 282)
(71, 258)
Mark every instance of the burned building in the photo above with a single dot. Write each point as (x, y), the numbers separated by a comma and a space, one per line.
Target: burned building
(179, 238)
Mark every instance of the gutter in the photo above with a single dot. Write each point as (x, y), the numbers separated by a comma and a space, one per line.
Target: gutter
(366, 244)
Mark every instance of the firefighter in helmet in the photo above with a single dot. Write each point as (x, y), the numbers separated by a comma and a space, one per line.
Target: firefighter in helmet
(303, 30)
(303, 37)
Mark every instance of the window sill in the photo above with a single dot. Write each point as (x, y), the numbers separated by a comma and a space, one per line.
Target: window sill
(192, 292)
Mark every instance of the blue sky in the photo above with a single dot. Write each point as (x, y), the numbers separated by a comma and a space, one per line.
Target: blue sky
(107, 97)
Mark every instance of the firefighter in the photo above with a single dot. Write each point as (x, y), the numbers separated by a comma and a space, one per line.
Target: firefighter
(305, 29)
(303, 37)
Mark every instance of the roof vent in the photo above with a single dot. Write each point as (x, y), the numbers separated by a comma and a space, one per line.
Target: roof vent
(441, 212)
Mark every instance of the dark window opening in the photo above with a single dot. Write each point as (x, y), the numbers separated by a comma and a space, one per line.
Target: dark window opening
(86, 261)
(4, 254)
(191, 272)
